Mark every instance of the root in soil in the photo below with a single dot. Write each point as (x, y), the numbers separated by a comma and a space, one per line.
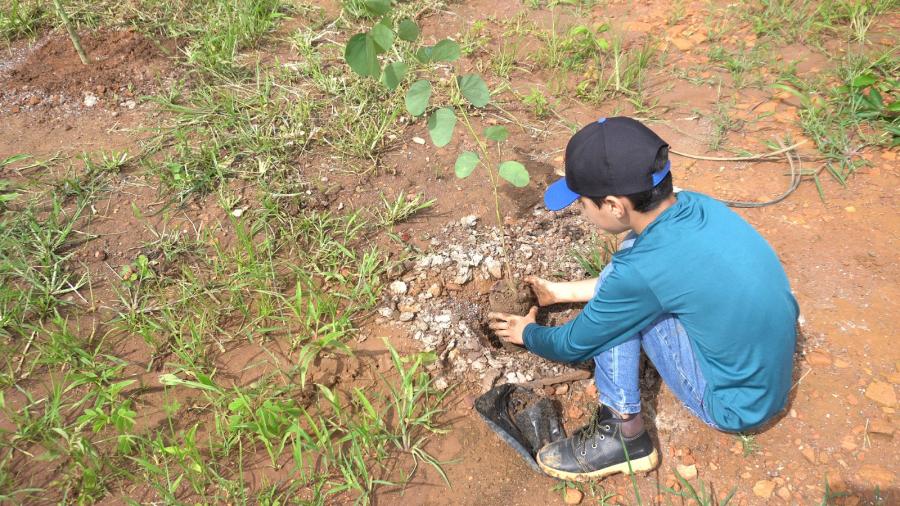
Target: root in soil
(508, 297)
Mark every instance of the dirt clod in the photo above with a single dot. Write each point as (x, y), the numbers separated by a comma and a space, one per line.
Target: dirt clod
(573, 496)
(882, 393)
(509, 298)
(764, 488)
(687, 472)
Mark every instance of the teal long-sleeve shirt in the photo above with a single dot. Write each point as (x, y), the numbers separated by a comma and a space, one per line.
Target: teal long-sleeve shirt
(703, 263)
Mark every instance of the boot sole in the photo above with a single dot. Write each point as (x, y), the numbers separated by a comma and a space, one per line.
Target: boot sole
(640, 465)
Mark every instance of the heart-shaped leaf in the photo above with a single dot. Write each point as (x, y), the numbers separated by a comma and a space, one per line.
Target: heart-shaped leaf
(496, 133)
(474, 89)
(408, 30)
(360, 54)
(417, 97)
(440, 126)
(515, 173)
(445, 50)
(383, 37)
(465, 164)
(378, 7)
(393, 74)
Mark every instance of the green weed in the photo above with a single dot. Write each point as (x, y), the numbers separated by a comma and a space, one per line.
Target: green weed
(20, 19)
(572, 50)
(538, 103)
(749, 444)
(704, 494)
(597, 255)
(861, 111)
(402, 208)
(722, 123)
(621, 72)
(742, 63)
(34, 270)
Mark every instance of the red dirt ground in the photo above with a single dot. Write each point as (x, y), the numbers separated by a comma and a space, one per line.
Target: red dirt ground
(840, 256)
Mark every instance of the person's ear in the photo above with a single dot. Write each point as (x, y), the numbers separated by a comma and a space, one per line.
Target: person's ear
(616, 206)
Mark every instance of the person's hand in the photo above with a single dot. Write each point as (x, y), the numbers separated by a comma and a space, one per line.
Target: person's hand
(544, 290)
(510, 327)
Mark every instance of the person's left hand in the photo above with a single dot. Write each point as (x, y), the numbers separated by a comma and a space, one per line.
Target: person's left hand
(510, 327)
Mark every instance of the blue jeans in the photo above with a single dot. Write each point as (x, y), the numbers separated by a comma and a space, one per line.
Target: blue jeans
(668, 346)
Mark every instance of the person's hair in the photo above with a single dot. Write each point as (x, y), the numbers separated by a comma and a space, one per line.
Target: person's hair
(646, 201)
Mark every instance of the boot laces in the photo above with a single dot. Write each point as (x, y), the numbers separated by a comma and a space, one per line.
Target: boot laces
(590, 430)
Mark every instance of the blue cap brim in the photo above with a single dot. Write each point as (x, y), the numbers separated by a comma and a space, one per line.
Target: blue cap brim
(559, 196)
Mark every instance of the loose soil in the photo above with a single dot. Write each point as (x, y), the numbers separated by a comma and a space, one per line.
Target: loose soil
(840, 426)
(510, 297)
(49, 75)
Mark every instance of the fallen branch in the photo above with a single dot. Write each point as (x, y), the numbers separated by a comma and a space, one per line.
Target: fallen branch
(576, 375)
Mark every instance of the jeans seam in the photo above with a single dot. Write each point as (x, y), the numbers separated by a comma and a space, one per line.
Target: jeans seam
(678, 367)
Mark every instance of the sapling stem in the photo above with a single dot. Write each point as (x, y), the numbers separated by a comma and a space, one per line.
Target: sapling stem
(494, 187)
(76, 41)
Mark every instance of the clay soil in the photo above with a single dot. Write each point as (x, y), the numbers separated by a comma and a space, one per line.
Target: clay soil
(840, 426)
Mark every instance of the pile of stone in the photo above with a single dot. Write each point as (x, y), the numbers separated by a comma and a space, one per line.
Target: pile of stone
(437, 302)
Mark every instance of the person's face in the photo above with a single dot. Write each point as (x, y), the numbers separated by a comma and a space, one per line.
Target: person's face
(608, 217)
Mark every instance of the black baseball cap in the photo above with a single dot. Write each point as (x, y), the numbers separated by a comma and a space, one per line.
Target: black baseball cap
(611, 156)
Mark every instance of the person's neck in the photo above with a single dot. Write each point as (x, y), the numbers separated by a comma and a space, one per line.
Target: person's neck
(640, 221)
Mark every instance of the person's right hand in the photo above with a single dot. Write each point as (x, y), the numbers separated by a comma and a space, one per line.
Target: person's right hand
(543, 289)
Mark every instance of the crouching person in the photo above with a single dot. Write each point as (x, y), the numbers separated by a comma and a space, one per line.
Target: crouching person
(693, 285)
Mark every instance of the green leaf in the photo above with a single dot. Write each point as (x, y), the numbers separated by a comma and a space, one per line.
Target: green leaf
(474, 89)
(378, 7)
(875, 99)
(383, 37)
(408, 30)
(394, 74)
(360, 54)
(465, 164)
(894, 106)
(440, 126)
(496, 133)
(863, 81)
(515, 173)
(417, 97)
(445, 50)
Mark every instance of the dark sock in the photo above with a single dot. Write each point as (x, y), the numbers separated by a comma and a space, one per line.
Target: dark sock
(633, 425)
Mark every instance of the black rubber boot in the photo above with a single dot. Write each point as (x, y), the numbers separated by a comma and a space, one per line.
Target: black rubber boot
(597, 450)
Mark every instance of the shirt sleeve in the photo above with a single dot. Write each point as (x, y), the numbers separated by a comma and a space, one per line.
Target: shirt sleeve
(623, 305)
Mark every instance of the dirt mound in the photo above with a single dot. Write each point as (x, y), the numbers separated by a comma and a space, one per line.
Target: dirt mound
(49, 73)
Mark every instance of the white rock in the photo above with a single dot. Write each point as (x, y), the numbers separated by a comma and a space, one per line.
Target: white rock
(129, 104)
(444, 317)
(463, 275)
(386, 312)
(440, 383)
(494, 267)
(90, 100)
(406, 316)
(418, 140)
(511, 377)
(398, 287)
(527, 251)
(469, 221)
